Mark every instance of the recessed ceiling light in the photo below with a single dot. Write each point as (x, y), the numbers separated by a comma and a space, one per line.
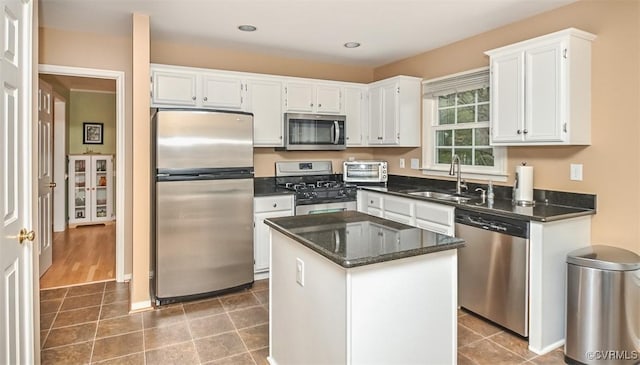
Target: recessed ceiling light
(247, 28)
(352, 44)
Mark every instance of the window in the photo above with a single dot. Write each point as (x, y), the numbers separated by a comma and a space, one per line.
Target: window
(456, 122)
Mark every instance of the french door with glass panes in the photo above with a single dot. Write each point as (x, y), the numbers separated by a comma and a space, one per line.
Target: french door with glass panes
(90, 189)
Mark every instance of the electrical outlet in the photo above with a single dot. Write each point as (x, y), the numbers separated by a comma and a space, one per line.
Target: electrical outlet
(576, 172)
(402, 163)
(415, 163)
(299, 271)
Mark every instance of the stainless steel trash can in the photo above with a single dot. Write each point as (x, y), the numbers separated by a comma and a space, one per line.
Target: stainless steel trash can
(603, 306)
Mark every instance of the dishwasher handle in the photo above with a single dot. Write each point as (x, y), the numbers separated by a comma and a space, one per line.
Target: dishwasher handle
(488, 222)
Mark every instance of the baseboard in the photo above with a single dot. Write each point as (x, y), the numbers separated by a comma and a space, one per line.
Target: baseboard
(271, 361)
(126, 277)
(140, 306)
(261, 275)
(547, 349)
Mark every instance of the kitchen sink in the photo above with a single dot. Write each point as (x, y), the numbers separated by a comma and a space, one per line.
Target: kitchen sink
(441, 196)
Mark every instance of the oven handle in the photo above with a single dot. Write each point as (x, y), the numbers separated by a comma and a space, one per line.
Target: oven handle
(336, 128)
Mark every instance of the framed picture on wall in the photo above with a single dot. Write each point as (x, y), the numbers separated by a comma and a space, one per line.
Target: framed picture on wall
(93, 133)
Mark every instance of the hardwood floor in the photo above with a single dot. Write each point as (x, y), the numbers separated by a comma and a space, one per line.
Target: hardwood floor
(82, 255)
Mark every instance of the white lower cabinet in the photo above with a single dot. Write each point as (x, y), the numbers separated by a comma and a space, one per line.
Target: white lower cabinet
(372, 314)
(435, 217)
(267, 207)
(414, 212)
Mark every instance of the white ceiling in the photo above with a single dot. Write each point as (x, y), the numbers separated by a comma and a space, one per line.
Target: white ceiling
(388, 30)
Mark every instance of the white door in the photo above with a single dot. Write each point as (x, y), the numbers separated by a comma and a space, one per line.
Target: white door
(16, 260)
(45, 175)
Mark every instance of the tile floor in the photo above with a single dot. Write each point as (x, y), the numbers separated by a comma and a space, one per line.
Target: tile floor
(90, 324)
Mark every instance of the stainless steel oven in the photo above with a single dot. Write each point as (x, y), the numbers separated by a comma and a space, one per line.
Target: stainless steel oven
(317, 189)
(325, 208)
(493, 268)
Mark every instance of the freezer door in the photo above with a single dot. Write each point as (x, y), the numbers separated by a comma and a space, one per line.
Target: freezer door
(204, 236)
(203, 139)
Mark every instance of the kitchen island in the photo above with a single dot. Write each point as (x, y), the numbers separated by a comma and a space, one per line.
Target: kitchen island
(350, 288)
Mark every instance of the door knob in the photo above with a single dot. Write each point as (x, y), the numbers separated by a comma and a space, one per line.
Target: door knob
(52, 185)
(24, 235)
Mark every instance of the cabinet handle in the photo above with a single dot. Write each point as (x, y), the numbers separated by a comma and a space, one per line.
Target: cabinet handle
(193, 98)
(275, 205)
(372, 202)
(519, 131)
(525, 131)
(311, 104)
(379, 137)
(205, 98)
(319, 105)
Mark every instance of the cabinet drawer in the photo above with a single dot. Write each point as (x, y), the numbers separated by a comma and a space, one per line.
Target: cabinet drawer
(398, 206)
(273, 203)
(435, 227)
(400, 218)
(374, 201)
(435, 213)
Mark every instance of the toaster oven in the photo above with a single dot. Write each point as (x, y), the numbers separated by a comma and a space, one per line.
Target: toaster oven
(365, 171)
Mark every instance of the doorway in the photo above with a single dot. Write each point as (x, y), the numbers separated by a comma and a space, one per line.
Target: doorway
(98, 243)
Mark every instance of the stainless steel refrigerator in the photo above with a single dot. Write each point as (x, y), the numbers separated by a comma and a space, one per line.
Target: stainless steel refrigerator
(203, 203)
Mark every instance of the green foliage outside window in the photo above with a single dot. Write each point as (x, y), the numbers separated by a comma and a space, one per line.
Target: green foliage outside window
(463, 128)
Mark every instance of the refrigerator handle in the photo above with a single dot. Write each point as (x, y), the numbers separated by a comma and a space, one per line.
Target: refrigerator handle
(336, 127)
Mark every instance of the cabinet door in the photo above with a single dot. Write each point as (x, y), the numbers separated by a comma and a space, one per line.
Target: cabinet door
(101, 188)
(544, 86)
(267, 207)
(174, 88)
(221, 92)
(390, 114)
(507, 98)
(375, 116)
(299, 97)
(79, 189)
(328, 99)
(264, 100)
(383, 117)
(355, 109)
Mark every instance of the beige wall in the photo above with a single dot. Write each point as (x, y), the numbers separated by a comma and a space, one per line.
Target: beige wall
(265, 158)
(63, 48)
(611, 168)
(141, 164)
(92, 107)
(223, 59)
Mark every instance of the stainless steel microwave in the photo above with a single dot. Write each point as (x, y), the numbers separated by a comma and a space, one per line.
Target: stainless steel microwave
(364, 171)
(314, 132)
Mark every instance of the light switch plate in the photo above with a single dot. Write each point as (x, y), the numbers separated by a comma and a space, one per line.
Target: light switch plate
(299, 271)
(576, 172)
(415, 163)
(402, 163)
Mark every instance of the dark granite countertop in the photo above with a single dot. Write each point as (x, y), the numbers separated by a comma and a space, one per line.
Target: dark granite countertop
(345, 237)
(549, 206)
(266, 186)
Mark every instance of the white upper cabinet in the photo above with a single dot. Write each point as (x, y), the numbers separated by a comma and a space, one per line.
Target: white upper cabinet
(309, 97)
(356, 110)
(385, 113)
(171, 87)
(264, 100)
(221, 92)
(541, 91)
(394, 112)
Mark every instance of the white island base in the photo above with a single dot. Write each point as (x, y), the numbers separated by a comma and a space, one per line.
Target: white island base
(402, 311)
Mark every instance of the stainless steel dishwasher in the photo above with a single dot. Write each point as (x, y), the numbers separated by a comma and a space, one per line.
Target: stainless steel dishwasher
(493, 268)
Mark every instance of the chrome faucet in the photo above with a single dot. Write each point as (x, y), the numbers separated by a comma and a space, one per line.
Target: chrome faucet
(455, 160)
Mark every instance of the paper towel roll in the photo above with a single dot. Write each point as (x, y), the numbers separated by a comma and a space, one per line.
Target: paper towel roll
(524, 186)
